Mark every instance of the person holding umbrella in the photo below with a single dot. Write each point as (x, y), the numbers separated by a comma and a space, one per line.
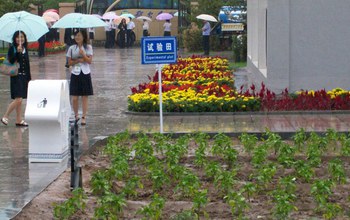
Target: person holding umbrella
(206, 34)
(80, 58)
(145, 28)
(18, 52)
(167, 28)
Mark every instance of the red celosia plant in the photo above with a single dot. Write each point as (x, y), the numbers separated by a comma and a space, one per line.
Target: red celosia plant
(336, 99)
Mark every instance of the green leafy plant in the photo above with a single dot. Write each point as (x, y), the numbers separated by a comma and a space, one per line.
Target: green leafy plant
(200, 200)
(345, 142)
(249, 188)
(158, 175)
(265, 174)
(212, 169)
(337, 171)
(303, 170)
(100, 182)
(299, 139)
(131, 185)
(321, 190)
(286, 154)
(221, 142)
(154, 209)
(237, 203)
(188, 184)
(259, 156)
(249, 141)
(110, 206)
(225, 180)
(68, 208)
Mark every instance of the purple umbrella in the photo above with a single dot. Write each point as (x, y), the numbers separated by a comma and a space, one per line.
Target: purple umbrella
(164, 16)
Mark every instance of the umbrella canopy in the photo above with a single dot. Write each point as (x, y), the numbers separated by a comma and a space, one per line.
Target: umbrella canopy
(207, 17)
(109, 16)
(97, 15)
(49, 19)
(176, 14)
(51, 14)
(128, 15)
(164, 16)
(120, 18)
(144, 18)
(53, 10)
(78, 20)
(32, 25)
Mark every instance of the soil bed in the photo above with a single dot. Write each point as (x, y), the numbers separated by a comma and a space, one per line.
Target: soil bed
(216, 177)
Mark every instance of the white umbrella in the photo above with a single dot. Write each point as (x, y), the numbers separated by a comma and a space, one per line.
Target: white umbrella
(51, 14)
(78, 20)
(144, 18)
(164, 16)
(32, 25)
(207, 17)
(111, 15)
(128, 15)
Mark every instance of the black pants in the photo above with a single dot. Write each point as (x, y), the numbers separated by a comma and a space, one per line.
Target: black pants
(129, 39)
(206, 44)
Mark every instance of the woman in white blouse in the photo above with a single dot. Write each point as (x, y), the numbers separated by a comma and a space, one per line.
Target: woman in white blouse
(80, 57)
(167, 28)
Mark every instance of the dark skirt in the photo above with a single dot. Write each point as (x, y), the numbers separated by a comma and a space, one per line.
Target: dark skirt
(80, 85)
(167, 33)
(19, 86)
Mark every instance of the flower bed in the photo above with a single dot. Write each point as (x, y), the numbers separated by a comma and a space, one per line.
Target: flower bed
(206, 84)
(194, 84)
(50, 47)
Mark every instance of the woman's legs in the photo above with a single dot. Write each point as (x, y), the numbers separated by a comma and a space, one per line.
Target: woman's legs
(85, 107)
(75, 103)
(15, 104)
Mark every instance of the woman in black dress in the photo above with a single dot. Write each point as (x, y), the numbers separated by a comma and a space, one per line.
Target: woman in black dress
(18, 52)
(80, 57)
(122, 33)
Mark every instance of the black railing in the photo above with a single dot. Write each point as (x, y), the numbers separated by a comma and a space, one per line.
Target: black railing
(75, 153)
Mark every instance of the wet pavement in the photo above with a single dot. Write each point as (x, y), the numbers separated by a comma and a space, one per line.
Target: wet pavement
(114, 72)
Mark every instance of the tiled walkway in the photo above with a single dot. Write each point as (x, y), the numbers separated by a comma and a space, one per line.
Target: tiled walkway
(114, 72)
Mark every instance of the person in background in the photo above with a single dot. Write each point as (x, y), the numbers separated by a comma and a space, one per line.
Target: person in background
(206, 36)
(41, 42)
(129, 29)
(91, 35)
(80, 58)
(69, 40)
(108, 30)
(145, 28)
(18, 52)
(122, 33)
(167, 28)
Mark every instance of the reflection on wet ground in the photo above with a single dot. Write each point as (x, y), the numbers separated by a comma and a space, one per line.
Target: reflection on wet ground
(114, 71)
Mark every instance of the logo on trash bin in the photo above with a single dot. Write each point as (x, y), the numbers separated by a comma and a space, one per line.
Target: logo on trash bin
(42, 104)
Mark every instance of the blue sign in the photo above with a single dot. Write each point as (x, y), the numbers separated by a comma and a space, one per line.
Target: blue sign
(158, 50)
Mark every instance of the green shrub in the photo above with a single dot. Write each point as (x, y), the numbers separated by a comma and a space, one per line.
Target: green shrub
(192, 38)
(239, 47)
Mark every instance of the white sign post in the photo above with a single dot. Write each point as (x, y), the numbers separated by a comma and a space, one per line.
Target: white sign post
(159, 50)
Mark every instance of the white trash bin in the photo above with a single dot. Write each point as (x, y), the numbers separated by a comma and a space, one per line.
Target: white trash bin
(47, 113)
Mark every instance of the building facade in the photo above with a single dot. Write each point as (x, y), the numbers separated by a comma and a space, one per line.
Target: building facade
(298, 44)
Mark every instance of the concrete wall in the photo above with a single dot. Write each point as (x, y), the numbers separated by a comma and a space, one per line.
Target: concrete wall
(308, 43)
